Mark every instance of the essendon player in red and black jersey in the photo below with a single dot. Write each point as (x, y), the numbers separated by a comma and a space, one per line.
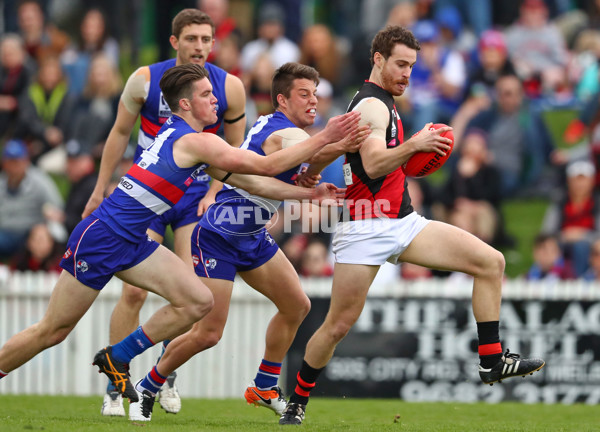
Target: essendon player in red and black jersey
(386, 195)
(379, 224)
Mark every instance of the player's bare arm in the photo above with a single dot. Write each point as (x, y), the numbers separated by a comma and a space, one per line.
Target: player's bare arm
(131, 102)
(208, 148)
(350, 144)
(288, 137)
(377, 159)
(272, 188)
(234, 127)
(234, 120)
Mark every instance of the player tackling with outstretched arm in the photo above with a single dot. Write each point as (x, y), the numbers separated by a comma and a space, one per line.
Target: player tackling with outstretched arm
(192, 38)
(222, 247)
(113, 240)
(379, 224)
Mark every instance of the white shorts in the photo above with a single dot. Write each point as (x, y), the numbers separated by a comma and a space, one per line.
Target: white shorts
(375, 241)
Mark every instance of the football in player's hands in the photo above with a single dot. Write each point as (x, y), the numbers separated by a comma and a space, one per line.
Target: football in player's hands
(422, 164)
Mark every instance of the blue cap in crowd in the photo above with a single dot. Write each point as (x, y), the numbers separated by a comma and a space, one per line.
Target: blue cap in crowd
(426, 31)
(449, 17)
(14, 149)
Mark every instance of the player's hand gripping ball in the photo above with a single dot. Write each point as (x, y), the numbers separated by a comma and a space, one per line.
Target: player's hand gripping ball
(422, 164)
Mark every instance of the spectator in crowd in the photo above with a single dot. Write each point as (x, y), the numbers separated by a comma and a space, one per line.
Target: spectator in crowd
(593, 271)
(45, 115)
(271, 40)
(453, 34)
(320, 50)
(229, 55)
(96, 109)
(583, 69)
(472, 194)
(402, 13)
(371, 14)
(592, 11)
(549, 263)
(258, 87)
(491, 62)
(589, 119)
(41, 38)
(28, 197)
(93, 40)
(293, 247)
(437, 80)
(517, 139)
(375, 12)
(226, 28)
(537, 49)
(81, 172)
(575, 217)
(40, 253)
(477, 14)
(14, 79)
(315, 260)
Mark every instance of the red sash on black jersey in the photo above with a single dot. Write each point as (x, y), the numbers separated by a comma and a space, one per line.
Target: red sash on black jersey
(386, 196)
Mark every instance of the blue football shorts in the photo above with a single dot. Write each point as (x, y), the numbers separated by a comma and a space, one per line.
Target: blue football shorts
(95, 253)
(216, 257)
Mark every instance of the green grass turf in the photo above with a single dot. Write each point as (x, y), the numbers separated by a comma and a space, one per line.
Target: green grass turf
(58, 413)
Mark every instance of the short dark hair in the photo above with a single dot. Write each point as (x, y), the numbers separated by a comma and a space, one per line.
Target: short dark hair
(36, 2)
(283, 79)
(386, 39)
(176, 83)
(543, 237)
(190, 16)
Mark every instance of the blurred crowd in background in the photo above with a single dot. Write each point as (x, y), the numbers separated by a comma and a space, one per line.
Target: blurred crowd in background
(518, 80)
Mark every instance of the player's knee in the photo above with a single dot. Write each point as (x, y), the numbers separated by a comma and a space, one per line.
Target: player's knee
(55, 335)
(495, 264)
(340, 329)
(211, 339)
(304, 308)
(297, 309)
(490, 266)
(133, 297)
(201, 307)
(205, 337)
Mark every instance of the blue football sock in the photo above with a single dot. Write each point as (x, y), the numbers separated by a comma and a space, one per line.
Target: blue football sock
(110, 387)
(162, 351)
(134, 344)
(152, 382)
(268, 374)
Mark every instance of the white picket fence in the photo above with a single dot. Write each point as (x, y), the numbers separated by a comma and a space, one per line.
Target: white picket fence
(221, 372)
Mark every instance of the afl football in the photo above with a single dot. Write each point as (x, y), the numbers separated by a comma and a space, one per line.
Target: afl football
(422, 164)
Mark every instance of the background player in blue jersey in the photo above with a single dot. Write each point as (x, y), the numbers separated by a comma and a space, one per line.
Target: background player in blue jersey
(223, 246)
(192, 38)
(113, 240)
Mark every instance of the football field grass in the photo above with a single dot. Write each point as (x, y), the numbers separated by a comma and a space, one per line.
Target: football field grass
(57, 413)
